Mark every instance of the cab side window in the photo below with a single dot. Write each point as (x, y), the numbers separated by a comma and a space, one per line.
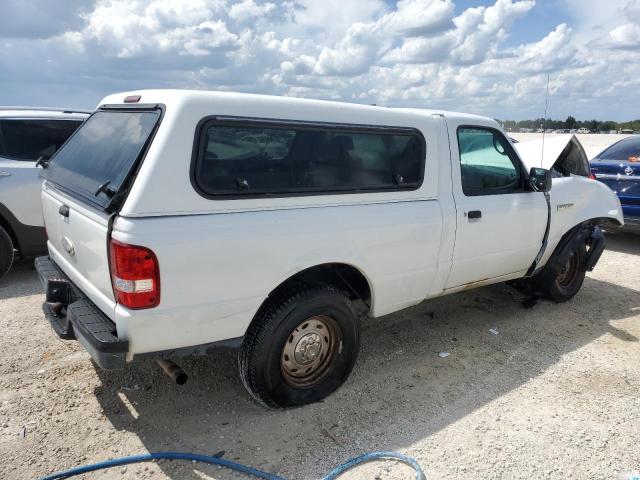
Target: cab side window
(488, 164)
(242, 159)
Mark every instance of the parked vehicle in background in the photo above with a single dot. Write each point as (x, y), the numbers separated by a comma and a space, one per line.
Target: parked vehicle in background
(619, 167)
(276, 224)
(27, 135)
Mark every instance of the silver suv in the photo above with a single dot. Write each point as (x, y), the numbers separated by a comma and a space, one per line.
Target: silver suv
(27, 135)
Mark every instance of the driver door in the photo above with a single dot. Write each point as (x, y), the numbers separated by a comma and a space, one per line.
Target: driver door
(500, 226)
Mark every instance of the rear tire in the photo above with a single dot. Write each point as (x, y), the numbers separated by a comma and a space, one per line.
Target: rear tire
(564, 285)
(6, 252)
(300, 347)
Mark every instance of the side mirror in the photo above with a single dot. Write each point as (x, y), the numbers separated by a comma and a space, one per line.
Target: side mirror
(540, 179)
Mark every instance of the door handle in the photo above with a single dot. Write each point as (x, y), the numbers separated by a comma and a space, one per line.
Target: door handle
(474, 214)
(64, 210)
(4, 174)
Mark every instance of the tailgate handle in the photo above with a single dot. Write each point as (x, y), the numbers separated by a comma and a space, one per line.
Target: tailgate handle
(64, 210)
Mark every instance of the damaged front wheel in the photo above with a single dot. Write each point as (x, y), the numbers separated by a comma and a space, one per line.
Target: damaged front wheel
(562, 284)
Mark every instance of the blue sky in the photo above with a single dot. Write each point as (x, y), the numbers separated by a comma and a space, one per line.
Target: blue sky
(489, 57)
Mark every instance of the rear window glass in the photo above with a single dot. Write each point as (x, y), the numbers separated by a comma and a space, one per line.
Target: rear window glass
(103, 150)
(31, 139)
(247, 160)
(623, 150)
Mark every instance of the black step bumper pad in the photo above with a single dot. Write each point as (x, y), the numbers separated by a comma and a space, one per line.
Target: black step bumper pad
(73, 316)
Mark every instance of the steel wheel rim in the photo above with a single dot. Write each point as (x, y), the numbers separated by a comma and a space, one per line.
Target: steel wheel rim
(309, 351)
(568, 272)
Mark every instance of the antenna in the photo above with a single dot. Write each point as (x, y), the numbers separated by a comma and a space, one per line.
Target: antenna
(544, 122)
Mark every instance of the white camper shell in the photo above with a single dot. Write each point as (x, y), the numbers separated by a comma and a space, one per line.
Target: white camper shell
(276, 224)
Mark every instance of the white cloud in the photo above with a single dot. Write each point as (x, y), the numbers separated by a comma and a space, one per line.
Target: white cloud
(421, 50)
(480, 30)
(353, 55)
(555, 52)
(198, 40)
(327, 19)
(248, 9)
(183, 12)
(419, 17)
(129, 28)
(625, 36)
(422, 53)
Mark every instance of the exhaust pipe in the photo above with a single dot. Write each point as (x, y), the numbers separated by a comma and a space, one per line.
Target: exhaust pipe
(173, 371)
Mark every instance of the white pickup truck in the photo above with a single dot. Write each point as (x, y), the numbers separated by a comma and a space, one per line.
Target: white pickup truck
(278, 224)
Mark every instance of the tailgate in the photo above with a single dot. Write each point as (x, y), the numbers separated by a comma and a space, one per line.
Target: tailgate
(77, 243)
(85, 180)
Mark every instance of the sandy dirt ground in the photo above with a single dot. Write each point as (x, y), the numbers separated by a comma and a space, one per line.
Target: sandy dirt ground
(555, 394)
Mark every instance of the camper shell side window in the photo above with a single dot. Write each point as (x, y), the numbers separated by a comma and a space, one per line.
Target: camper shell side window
(240, 158)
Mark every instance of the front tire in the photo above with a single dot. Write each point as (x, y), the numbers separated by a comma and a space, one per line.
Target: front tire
(6, 252)
(565, 284)
(300, 347)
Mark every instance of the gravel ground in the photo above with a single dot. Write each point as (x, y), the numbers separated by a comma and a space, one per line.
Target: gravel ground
(553, 395)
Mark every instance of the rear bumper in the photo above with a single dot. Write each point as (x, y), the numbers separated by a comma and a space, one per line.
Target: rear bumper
(73, 316)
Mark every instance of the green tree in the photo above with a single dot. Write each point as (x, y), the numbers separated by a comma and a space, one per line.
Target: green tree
(593, 125)
(570, 122)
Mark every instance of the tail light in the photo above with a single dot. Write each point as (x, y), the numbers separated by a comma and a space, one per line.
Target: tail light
(135, 275)
(592, 176)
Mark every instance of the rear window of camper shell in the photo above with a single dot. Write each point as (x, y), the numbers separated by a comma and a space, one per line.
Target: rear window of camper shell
(97, 160)
(246, 157)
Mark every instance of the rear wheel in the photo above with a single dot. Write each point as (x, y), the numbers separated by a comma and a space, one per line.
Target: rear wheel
(300, 347)
(566, 283)
(6, 252)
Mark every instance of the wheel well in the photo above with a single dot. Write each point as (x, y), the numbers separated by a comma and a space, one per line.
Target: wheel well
(340, 275)
(7, 227)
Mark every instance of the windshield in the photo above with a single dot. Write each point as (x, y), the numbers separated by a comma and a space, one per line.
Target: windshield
(627, 150)
(97, 160)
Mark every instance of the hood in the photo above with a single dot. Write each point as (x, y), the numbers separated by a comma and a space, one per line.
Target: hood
(562, 153)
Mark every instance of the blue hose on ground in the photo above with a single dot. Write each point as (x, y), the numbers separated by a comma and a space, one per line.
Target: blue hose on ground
(368, 457)
(238, 467)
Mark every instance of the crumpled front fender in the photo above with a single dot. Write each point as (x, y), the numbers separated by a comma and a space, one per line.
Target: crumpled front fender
(575, 200)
